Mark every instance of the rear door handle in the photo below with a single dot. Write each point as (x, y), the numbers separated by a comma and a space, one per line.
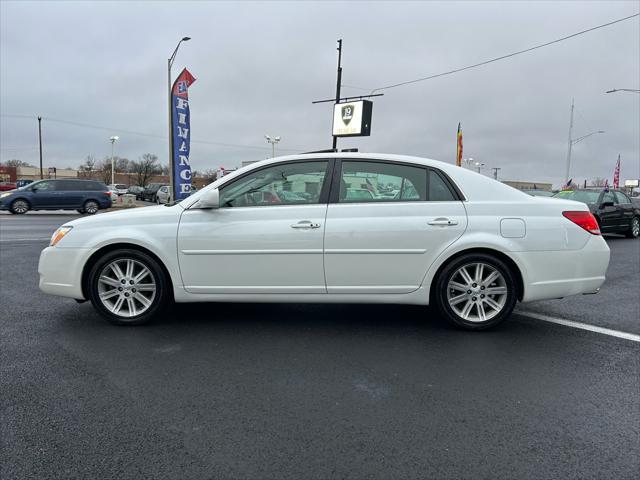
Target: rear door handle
(305, 224)
(444, 222)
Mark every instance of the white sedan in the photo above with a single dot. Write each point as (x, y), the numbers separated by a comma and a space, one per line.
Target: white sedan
(297, 229)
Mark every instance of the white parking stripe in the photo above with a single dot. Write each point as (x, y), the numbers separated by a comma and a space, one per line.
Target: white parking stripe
(583, 326)
(18, 240)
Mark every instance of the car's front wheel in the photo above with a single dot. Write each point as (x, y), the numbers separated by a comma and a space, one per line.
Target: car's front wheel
(91, 207)
(634, 228)
(476, 291)
(18, 207)
(127, 287)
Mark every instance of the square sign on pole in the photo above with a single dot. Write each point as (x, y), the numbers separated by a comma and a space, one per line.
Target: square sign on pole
(352, 119)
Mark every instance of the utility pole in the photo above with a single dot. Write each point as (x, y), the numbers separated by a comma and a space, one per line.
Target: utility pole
(495, 172)
(570, 144)
(338, 84)
(40, 141)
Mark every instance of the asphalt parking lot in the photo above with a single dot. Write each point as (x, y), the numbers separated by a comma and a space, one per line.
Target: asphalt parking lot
(314, 391)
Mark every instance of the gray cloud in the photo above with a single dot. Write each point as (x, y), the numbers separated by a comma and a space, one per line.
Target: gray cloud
(260, 64)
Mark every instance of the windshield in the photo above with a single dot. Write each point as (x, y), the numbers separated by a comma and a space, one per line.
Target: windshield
(584, 196)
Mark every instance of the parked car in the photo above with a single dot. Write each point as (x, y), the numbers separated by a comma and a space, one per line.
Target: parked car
(150, 192)
(466, 243)
(6, 186)
(136, 190)
(613, 209)
(86, 196)
(163, 195)
(114, 194)
(119, 188)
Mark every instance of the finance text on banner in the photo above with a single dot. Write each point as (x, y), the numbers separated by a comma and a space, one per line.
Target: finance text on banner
(181, 134)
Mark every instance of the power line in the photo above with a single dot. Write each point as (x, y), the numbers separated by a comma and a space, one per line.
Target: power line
(509, 55)
(142, 134)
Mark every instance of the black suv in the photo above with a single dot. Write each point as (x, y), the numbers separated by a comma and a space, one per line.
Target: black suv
(149, 193)
(86, 196)
(612, 208)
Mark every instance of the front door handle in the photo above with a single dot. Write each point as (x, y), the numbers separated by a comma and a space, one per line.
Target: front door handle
(444, 222)
(305, 224)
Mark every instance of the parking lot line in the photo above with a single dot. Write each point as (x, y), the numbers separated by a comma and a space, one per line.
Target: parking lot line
(583, 326)
(17, 240)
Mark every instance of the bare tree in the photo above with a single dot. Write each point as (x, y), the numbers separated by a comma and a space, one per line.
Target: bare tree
(17, 163)
(144, 168)
(88, 166)
(598, 182)
(209, 175)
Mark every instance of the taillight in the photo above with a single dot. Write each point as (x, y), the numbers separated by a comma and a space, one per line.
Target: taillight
(584, 220)
(108, 194)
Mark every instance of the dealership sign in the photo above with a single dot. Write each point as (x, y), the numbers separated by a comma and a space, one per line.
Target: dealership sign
(181, 135)
(352, 119)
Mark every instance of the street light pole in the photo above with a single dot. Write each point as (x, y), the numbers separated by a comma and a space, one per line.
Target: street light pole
(273, 142)
(169, 65)
(495, 172)
(113, 140)
(570, 144)
(40, 142)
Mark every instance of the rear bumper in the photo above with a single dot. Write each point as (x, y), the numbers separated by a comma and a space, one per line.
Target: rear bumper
(548, 275)
(60, 271)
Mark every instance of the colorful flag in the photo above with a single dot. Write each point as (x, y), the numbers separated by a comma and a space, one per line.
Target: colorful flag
(567, 186)
(459, 146)
(616, 174)
(181, 135)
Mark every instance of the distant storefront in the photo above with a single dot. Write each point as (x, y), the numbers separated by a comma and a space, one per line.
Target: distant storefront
(8, 174)
(529, 185)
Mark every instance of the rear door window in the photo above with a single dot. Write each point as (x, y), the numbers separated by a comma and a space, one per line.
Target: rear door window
(381, 182)
(439, 191)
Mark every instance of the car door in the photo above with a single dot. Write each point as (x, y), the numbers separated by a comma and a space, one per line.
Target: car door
(44, 195)
(261, 239)
(626, 209)
(610, 217)
(70, 193)
(386, 242)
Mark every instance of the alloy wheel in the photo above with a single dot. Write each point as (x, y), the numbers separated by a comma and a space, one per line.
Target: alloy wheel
(91, 207)
(635, 227)
(477, 292)
(126, 287)
(19, 207)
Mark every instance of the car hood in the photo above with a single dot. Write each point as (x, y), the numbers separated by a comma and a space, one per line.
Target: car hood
(133, 216)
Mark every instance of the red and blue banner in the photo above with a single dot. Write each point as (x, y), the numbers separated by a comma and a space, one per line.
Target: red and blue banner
(181, 134)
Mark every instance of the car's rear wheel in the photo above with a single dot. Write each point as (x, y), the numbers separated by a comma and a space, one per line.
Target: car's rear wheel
(634, 228)
(91, 207)
(19, 206)
(127, 287)
(476, 291)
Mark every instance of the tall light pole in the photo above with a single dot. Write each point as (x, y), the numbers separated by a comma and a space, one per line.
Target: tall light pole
(40, 142)
(273, 142)
(113, 141)
(479, 166)
(495, 172)
(169, 64)
(468, 161)
(572, 141)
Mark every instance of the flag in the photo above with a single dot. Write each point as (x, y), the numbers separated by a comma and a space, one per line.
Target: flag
(606, 185)
(616, 174)
(181, 135)
(567, 186)
(459, 146)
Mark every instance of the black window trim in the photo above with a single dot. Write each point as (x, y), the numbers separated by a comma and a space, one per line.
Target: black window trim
(334, 192)
(324, 190)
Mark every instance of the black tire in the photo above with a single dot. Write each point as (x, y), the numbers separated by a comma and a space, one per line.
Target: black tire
(442, 292)
(159, 278)
(19, 206)
(91, 207)
(634, 228)
(157, 200)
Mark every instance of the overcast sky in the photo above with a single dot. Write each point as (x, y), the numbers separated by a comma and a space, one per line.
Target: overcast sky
(260, 64)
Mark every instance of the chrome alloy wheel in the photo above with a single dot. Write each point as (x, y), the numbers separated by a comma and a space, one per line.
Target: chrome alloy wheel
(635, 227)
(20, 207)
(126, 287)
(477, 292)
(91, 207)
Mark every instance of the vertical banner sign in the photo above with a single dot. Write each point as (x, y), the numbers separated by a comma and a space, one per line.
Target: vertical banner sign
(181, 134)
(459, 146)
(616, 174)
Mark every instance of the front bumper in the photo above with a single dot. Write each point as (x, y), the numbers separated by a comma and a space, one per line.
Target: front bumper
(60, 271)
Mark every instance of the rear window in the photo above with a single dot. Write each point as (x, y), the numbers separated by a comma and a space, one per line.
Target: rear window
(584, 196)
(439, 191)
(121, 186)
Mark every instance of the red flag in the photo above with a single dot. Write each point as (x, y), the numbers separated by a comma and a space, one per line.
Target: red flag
(616, 174)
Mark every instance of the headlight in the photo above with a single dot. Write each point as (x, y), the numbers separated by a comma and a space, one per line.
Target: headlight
(5, 194)
(59, 234)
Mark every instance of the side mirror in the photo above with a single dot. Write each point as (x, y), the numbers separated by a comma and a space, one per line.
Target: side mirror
(210, 199)
(606, 204)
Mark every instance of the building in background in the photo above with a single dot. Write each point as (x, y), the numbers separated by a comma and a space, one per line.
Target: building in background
(529, 185)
